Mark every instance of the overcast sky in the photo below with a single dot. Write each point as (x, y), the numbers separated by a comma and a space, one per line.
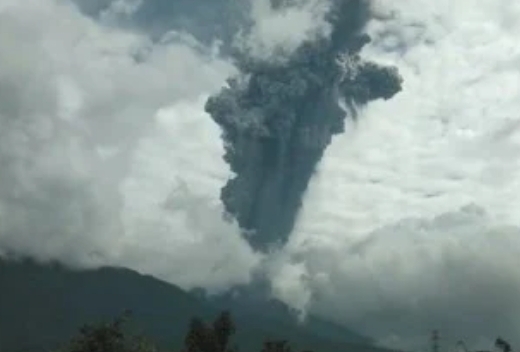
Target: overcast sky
(410, 224)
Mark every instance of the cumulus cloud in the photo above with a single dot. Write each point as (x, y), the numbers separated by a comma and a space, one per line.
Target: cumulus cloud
(277, 31)
(119, 9)
(81, 105)
(207, 20)
(409, 224)
(171, 195)
(448, 140)
(455, 272)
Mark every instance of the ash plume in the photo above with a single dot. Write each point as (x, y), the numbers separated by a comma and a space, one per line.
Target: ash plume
(278, 116)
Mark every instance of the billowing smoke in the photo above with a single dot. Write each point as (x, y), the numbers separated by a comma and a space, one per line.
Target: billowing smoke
(411, 222)
(279, 115)
(101, 118)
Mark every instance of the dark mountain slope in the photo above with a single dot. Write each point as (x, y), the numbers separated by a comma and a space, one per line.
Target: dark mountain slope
(42, 306)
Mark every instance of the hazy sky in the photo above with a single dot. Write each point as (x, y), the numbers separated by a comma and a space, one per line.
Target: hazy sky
(410, 224)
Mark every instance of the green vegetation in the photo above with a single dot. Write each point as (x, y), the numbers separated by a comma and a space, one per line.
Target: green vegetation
(41, 306)
(201, 337)
(44, 306)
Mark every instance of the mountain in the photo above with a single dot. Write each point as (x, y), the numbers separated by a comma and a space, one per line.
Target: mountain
(254, 301)
(42, 306)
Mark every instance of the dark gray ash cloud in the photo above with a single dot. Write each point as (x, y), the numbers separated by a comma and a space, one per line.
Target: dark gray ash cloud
(278, 117)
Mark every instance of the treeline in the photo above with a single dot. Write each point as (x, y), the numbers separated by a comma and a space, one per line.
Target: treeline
(217, 336)
(115, 336)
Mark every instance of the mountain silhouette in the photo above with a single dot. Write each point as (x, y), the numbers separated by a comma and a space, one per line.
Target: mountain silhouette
(43, 305)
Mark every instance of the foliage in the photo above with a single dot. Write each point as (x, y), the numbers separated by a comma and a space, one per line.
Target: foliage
(276, 346)
(214, 338)
(201, 337)
(109, 337)
(503, 344)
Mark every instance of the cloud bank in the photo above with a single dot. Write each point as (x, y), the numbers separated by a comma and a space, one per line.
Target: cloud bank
(411, 222)
(82, 105)
(278, 28)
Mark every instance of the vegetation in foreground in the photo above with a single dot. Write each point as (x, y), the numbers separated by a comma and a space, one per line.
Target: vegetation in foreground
(200, 337)
(115, 336)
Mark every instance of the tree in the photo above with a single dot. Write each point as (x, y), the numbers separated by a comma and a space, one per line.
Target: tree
(109, 337)
(503, 344)
(214, 338)
(276, 346)
(224, 329)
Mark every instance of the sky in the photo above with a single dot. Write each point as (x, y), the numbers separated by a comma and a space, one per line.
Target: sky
(410, 223)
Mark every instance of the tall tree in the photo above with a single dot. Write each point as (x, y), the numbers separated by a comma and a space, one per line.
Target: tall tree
(214, 338)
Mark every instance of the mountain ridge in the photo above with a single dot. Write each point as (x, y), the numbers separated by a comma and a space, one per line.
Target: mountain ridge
(42, 306)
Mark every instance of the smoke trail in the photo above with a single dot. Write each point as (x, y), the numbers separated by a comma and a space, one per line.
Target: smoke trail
(279, 117)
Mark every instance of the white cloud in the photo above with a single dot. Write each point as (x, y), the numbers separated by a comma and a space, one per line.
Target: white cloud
(171, 195)
(99, 125)
(120, 8)
(276, 33)
(86, 110)
(456, 272)
(448, 140)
